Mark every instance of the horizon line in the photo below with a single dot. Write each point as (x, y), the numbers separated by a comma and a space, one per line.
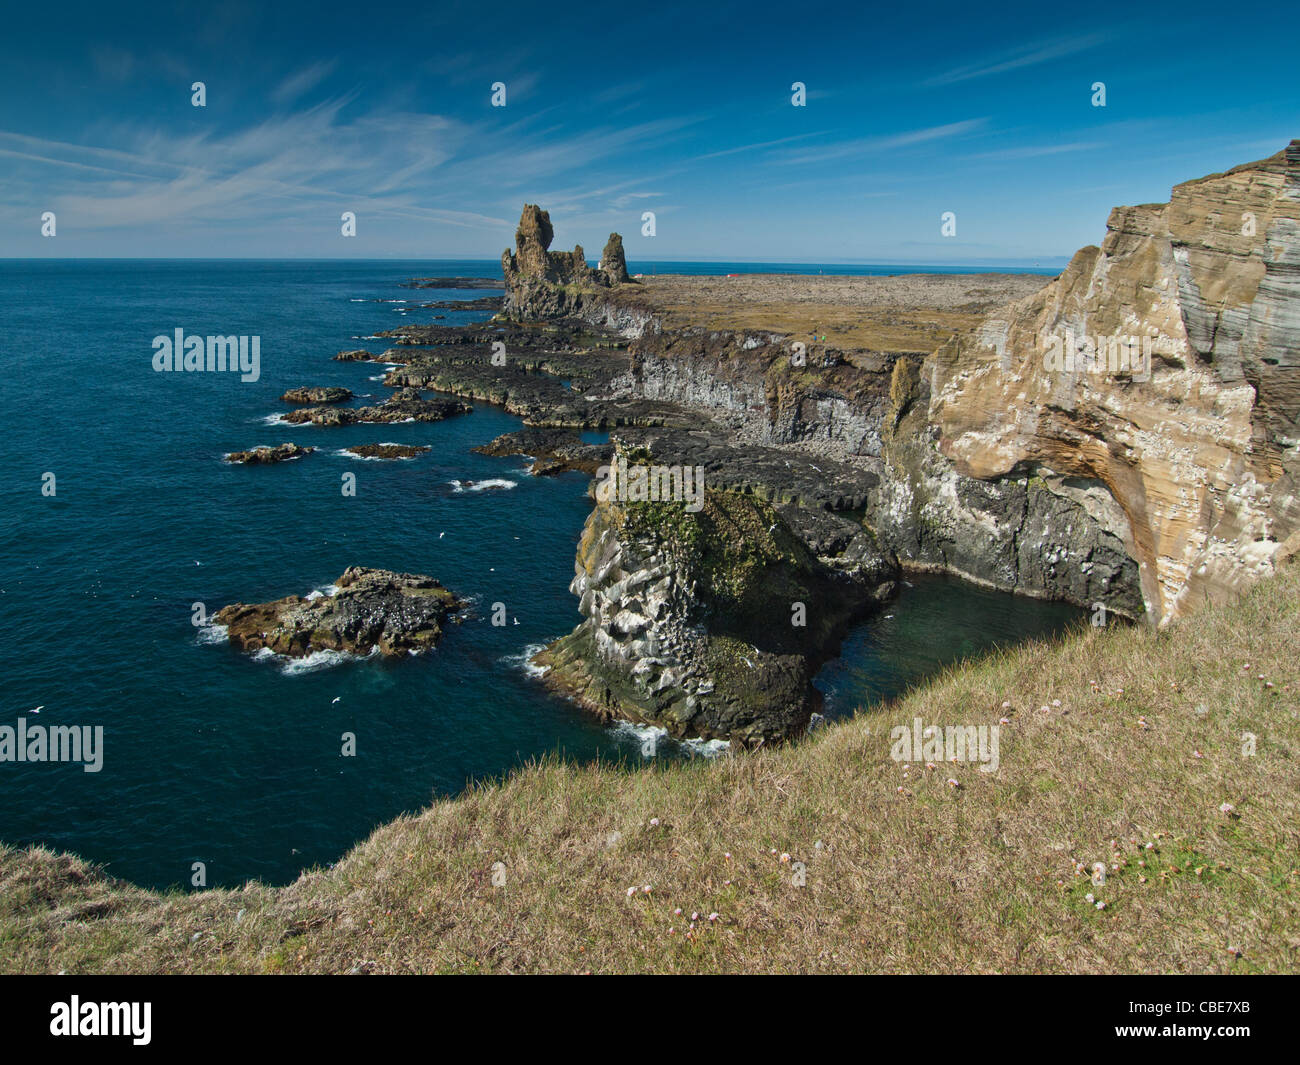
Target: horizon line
(1051, 260)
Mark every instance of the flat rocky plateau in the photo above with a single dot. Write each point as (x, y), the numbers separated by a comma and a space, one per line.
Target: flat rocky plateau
(907, 312)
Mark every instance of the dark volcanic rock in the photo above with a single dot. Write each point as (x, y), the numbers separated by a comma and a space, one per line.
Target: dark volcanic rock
(774, 474)
(358, 355)
(387, 451)
(692, 620)
(404, 406)
(261, 456)
(374, 608)
(484, 303)
(554, 450)
(452, 282)
(317, 395)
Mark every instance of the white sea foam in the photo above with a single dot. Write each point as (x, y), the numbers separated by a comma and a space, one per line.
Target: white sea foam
(524, 660)
(652, 741)
(274, 419)
(210, 634)
(311, 663)
(482, 486)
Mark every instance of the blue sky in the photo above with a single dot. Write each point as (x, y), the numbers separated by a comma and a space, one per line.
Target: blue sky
(683, 109)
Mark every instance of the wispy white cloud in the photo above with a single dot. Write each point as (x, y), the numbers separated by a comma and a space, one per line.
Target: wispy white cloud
(1018, 58)
(884, 143)
(296, 85)
(1032, 151)
(756, 146)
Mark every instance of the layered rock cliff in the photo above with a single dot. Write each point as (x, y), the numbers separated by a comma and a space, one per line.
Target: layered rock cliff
(1190, 456)
(1127, 435)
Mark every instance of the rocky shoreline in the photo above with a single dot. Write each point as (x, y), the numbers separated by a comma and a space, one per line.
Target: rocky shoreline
(849, 429)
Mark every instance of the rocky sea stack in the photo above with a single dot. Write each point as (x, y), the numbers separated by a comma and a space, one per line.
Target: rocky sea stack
(712, 624)
(395, 613)
(541, 283)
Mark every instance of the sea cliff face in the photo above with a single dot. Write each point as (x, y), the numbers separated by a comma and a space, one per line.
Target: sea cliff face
(1123, 436)
(1198, 454)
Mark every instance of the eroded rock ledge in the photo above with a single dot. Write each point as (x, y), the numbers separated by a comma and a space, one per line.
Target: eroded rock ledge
(395, 613)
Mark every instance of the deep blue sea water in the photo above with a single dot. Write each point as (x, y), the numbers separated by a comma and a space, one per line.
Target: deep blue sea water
(210, 755)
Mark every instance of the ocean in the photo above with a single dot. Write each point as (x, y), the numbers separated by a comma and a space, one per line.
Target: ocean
(213, 756)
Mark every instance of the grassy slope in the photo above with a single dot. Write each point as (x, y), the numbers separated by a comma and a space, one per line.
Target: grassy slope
(936, 878)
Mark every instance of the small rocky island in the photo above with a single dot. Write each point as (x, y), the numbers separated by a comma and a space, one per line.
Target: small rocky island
(387, 451)
(263, 456)
(319, 394)
(405, 405)
(395, 613)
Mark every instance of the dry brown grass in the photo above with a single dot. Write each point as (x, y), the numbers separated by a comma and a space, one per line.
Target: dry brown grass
(1145, 747)
(906, 313)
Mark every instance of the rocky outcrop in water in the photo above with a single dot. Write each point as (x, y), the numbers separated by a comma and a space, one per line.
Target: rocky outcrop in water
(373, 609)
(405, 405)
(262, 456)
(387, 451)
(713, 624)
(320, 394)
(552, 450)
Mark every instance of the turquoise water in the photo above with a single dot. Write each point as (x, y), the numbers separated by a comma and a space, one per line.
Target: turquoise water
(212, 756)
